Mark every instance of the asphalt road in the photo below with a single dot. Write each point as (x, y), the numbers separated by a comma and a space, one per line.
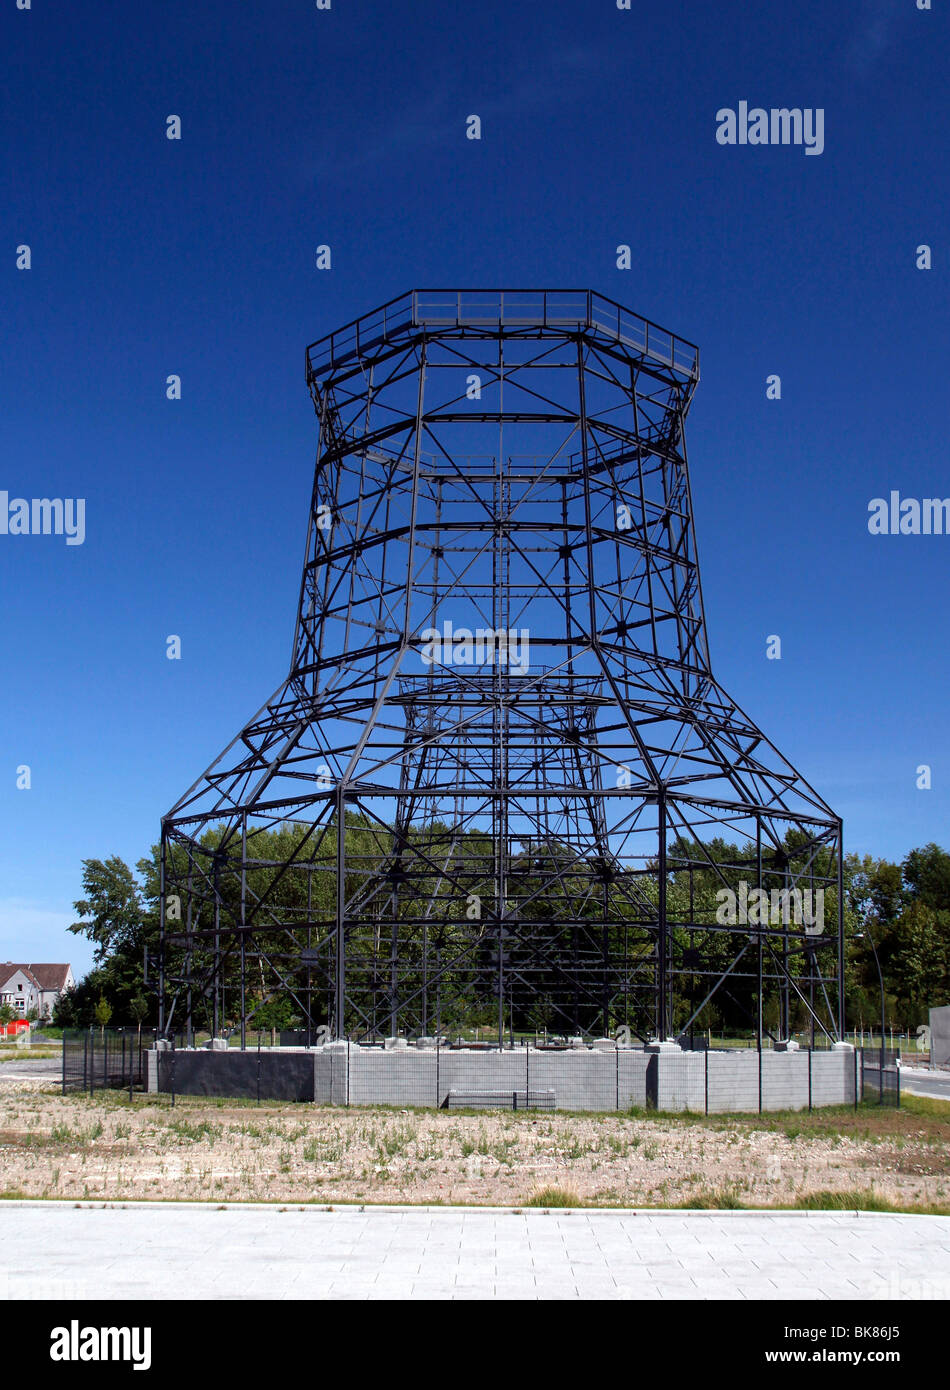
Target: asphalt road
(51, 1067)
(926, 1083)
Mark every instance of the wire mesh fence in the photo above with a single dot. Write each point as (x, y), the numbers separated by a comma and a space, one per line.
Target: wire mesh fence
(104, 1058)
(881, 1076)
(599, 1076)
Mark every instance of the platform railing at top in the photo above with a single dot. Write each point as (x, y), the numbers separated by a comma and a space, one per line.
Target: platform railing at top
(511, 308)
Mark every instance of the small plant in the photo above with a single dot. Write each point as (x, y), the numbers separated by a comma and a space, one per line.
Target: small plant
(203, 1129)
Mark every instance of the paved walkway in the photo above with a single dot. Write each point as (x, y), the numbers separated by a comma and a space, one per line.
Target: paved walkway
(181, 1251)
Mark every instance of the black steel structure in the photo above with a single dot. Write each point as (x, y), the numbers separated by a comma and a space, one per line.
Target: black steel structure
(500, 781)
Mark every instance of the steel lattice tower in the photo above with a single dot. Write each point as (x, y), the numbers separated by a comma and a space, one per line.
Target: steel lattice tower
(493, 782)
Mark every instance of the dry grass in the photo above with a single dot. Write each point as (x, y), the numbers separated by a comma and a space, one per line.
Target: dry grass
(548, 1197)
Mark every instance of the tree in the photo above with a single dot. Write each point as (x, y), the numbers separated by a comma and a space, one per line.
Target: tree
(66, 1013)
(103, 1012)
(138, 1012)
(927, 876)
(120, 917)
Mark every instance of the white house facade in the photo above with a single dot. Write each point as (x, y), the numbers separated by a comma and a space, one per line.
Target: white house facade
(33, 987)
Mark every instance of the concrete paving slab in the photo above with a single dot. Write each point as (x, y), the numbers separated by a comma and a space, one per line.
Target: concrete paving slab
(187, 1250)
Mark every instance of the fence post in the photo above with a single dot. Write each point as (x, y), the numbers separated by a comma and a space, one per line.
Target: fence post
(706, 1082)
(617, 1060)
(527, 1076)
(438, 1050)
(258, 1066)
(880, 1089)
(64, 1061)
(856, 1075)
(173, 1072)
(810, 1054)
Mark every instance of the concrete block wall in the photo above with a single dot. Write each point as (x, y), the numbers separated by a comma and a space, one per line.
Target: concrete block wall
(833, 1078)
(580, 1078)
(785, 1080)
(403, 1077)
(679, 1082)
(633, 1077)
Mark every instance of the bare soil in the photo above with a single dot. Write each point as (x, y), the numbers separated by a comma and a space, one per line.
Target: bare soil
(106, 1147)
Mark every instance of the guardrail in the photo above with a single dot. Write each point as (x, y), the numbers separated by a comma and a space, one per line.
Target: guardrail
(503, 308)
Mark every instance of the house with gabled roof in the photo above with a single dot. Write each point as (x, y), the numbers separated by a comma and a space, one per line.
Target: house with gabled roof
(33, 986)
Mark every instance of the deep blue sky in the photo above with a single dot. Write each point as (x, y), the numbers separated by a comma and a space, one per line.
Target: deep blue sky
(303, 127)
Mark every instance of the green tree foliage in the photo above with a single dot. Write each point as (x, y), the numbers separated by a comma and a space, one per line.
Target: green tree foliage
(906, 908)
(119, 915)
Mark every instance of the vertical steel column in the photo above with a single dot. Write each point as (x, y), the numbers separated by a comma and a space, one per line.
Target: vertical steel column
(216, 1004)
(662, 1001)
(758, 862)
(841, 1009)
(339, 1021)
(244, 931)
(161, 937)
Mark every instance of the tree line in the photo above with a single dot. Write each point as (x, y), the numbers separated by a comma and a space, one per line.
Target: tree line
(904, 908)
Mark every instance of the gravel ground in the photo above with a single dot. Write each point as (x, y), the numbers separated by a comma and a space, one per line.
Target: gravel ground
(85, 1147)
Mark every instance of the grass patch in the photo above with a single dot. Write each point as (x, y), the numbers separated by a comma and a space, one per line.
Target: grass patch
(554, 1197)
(712, 1199)
(862, 1199)
(76, 1138)
(925, 1105)
(28, 1054)
(194, 1133)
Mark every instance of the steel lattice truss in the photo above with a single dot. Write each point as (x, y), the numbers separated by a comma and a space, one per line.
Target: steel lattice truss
(492, 786)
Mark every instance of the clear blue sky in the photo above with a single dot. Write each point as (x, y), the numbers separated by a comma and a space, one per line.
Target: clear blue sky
(347, 127)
